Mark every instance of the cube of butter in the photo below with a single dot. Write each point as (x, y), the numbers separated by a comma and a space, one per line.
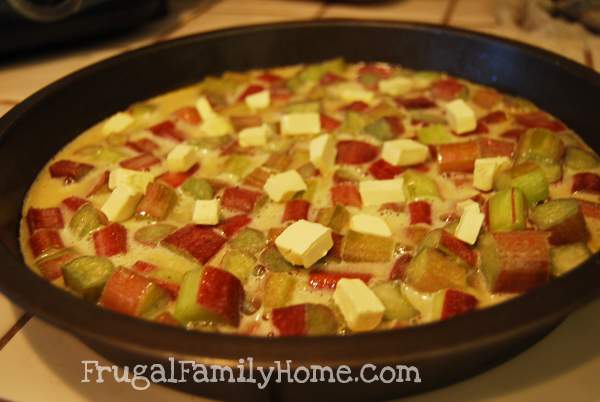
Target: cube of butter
(351, 92)
(204, 108)
(254, 136)
(304, 243)
(206, 212)
(121, 204)
(377, 192)
(322, 152)
(461, 118)
(301, 123)
(117, 123)
(484, 171)
(216, 126)
(465, 205)
(282, 186)
(395, 86)
(137, 181)
(370, 224)
(359, 305)
(259, 100)
(404, 152)
(469, 226)
(181, 158)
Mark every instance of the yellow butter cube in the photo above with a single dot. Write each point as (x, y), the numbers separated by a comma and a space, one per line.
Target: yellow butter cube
(304, 243)
(377, 192)
(359, 305)
(282, 186)
(121, 204)
(404, 152)
(181, 158)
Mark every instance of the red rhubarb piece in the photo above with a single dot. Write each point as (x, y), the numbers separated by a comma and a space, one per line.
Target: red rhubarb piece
(336, 250)
(295, 210)
(69, 170)
(329, 124)
(346, 193)
(270, 78)
(590, 209)
(101, 183)
(176, 179)
(456, 303)
(110, 240)
(280, 93)
(231, 226)
(355, 152)
(221, 293)
(539, 120)
(126, 292)
(458, 157)
(188, 114)
(240, 199)
(167, 130)
(395, 125)
(357, 106)
(420, 212)
(380, 71)
(494, 117)
(290, 321)
(486, 98)
(157, 202)
(513, 133)
(489, 147)
(143, 145)
(447, 89)
(330, 78)
(43, 240)
(399, 269)
(197, 241)
(382, 170)
(458, 248)
(420, 102)
(140, 162)
(481, 128)
(51, 268)
(73, 203)
(143, 267)
(588, 182)
(241, 122)
(329, 280)
(44, 218)
(250, 90)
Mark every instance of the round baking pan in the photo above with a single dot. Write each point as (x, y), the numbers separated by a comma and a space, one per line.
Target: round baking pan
(444, 352)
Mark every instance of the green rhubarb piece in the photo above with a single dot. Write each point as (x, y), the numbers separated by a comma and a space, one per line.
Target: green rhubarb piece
(152, 301)
(419, 186)
(348, 174)
(218, 85)
(565, 258)
(279, 289)
(554, 212)
(579, 159)
(507, 210)
(423, 79)
(210, 143)
(87, 275)
(320, 320)
(198, 189)
(85, 220)
(528, 177)
(187, 308)
(396, 305)
(435, 134)
(361, 247)
(167, 275)
(430, 270)
(369, 79)
(312, 186)
(142, 110)
(313, 73)
(109, 155)
(239, 264)
(272, 259)
(336, 218)
(249, 241)
(151, 235)
(380, 129)
(304, 107)
(238, 165)
(354, 122)
(540, 145)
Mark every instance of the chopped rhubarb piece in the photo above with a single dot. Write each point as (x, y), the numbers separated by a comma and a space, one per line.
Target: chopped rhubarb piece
(240, 199)
(590, 209)
(458, 157)
(361, 247)
(44, 218)
(355, 152)
(539, 119)
(330, 78)
(73, 203)
(430, 271)
(346, 193)
(143, 267)
(507, 210)
(481, 128)
(527, 177)
(86, 219)
(587, 182)
(329, 124)
(152, 235)
(329, 280)
(395, 125)
(397, 307)
(129, 293)
(188, 114)
(382, 170)
(140, 162)
(563, 219)
(577, 158)
(100, 184)
(270, 78)
(490, 148)
(143, 145)
(199, 189)
(166, 319)
(176, 179)
(420, 102)
(337, 218)
(44, 240)
(513, 133)
(272, 259)
(231, 226)
(51, 266)
(167, 130)
(486, 98)
(494, 117)
(515, 261)
(157, 202)
(167, 279)
(380, 71)
(250, 241)
(279, 161)
(280, 93)
(304, 319)
(451, 244)
(295, 210)
(239, 263)
(87, 275)
(420, 212)
(399, 269)
(278, 289)
(250, 90)
(357, 106)
(241, 122)
(110, 240)
(336, 250)
(419, 186)
(451, 303)
(447, 89)
(195, 241)
(69, 170)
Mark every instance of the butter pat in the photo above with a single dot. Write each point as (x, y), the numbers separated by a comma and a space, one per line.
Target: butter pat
(254, 136)
(369, 224)
(377, 192)
(361, 308)
(469, 226)
(304, 243)
(301, 123)
(466, 205)
(395, 86)
(351, 92)
(204, 108)
(181, 158)
(461, 118)
(135, 180)
(117, 123)
(206, 212)
(322, 152)
(484, 171)
(282, 186)
(121, 204)
(404, 152)
(259, 100)
(213, 124)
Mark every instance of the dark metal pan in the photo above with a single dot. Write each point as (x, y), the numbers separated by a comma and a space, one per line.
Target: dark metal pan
(444, 352)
